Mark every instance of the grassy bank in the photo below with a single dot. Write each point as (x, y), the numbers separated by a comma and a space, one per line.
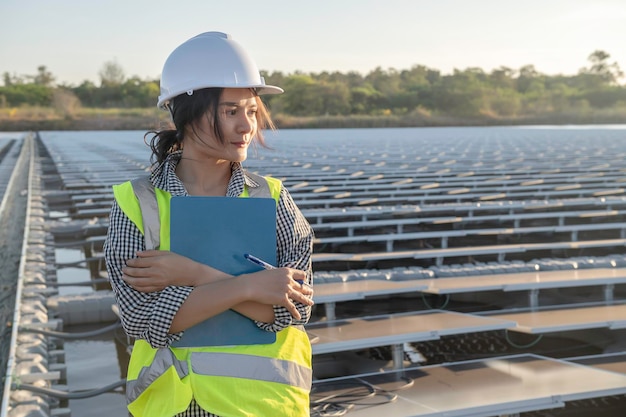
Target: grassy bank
(43, 118)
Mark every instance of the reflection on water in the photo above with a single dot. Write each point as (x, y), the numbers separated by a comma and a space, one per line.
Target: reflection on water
(93, 362)
(67, 275)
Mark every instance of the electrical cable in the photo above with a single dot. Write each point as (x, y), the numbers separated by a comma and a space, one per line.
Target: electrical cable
(75, 264)
(515, 345)
(445, 303)
(66, 335)
(73, 284)
(69, 395)
(362, 393)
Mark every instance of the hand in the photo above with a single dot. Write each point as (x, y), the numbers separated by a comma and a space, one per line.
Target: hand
(280, 286)
(154, 270)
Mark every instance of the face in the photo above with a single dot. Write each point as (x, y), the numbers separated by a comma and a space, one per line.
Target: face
(237, 110)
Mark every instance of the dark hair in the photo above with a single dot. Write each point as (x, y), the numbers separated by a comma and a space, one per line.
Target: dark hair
(186, 110)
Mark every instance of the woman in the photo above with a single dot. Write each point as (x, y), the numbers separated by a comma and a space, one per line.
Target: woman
(211, 87)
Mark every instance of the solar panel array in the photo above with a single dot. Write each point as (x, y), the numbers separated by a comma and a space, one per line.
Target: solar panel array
(408, 208)
(380, 198)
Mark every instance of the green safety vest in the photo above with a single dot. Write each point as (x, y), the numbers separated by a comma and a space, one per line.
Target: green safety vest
(230, 381)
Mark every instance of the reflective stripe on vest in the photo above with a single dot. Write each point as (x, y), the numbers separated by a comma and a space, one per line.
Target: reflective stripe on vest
(163, 359)
(265, 369)
(144, 191)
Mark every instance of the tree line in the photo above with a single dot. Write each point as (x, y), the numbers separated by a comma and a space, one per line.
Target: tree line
(472, 92)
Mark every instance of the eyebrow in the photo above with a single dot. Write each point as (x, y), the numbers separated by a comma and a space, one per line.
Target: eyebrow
(234, 104)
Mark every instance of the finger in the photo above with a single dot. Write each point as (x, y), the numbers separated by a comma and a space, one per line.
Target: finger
(133, 282)
(138, 262)
(291, 307)
(298, 275)
(134, 262)
(304, 288)
(136, 281)
(303, 284)
(302, 298)
(306, 300)
(136, 272)
(140, 285)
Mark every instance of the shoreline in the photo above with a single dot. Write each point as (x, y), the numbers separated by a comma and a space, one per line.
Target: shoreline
(159, 121)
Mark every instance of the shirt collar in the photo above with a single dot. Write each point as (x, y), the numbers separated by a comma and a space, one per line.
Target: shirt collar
(164, 177)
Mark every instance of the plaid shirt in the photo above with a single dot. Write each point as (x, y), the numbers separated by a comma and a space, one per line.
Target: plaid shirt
(148, 316)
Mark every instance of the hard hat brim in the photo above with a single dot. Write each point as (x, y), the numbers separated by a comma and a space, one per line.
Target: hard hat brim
(260, 90)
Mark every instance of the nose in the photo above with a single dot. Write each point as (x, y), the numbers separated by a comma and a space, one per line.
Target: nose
(246, 123)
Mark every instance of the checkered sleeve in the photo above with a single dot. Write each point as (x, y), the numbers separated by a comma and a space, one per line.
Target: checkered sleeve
(294, 240)
(145, 316)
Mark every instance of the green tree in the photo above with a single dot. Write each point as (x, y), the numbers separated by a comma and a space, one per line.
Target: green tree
(43, 77)
(9, 79)
(300, 98)
(421, 91)
(137, 93)
(87, 93)
(503, 78)
(504, 102)
(534, 99)
(364, 99)
(601, 70)
(462, 94)
(275, 78)
(335, 98)
(27, 94)
(608, 96)
(560, 96)
(111, 74)
(527, 75)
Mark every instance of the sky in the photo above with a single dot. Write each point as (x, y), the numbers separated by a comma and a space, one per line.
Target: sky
(75, 38)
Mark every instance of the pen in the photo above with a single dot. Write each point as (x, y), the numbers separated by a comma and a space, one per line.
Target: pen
(266, 265)
(258, 261)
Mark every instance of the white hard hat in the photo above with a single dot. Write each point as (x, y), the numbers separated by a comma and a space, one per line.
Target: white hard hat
(211, 59)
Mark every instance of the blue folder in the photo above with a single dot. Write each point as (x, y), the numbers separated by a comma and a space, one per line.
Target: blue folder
(218, 231)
